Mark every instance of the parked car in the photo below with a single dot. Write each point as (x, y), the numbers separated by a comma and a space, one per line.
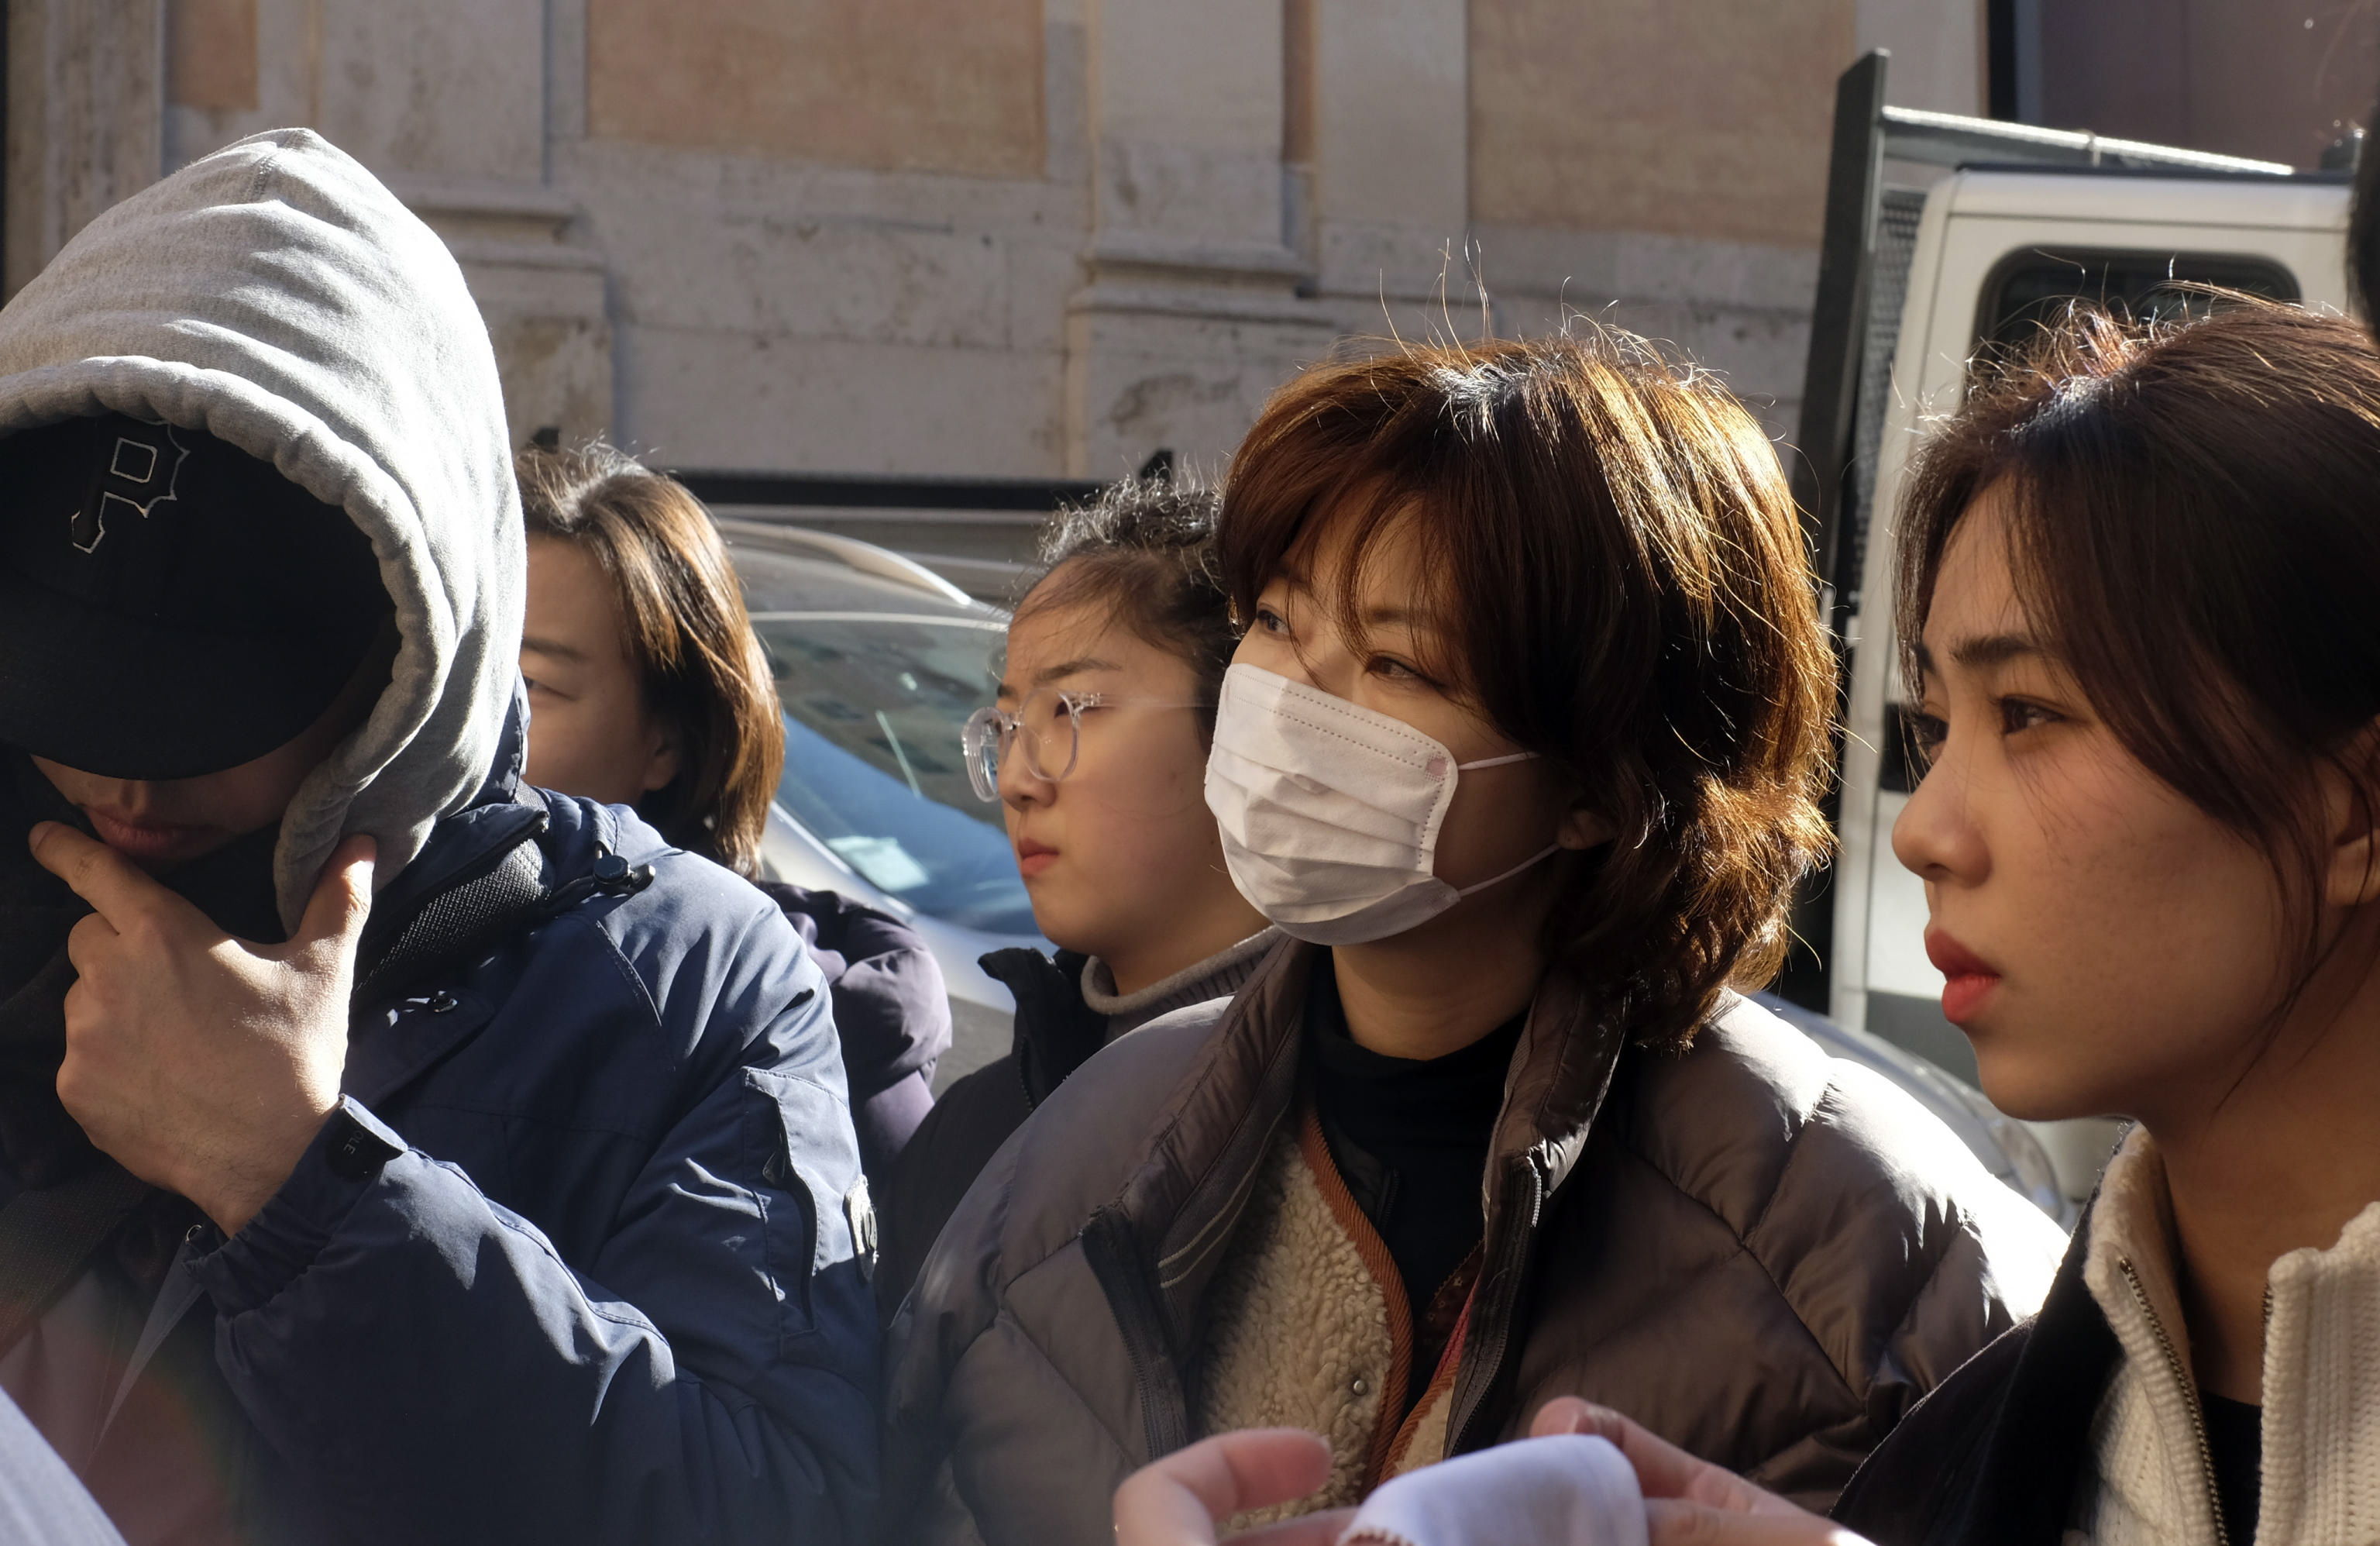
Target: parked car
(880, 660)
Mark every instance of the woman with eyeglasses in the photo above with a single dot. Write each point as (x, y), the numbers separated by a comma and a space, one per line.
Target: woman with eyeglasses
(1520, 748)
(1096, 751)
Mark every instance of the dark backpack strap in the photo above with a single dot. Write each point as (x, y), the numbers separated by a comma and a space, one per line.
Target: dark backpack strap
(47, 1236)
(505, 895)
(453, 925)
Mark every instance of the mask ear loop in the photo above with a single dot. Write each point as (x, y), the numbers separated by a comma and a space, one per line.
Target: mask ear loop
(1538, 858)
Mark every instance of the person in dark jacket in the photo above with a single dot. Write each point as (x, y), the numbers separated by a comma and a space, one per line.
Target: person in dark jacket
(1095, 750)
(393, 1152)
(648, 688)
(1521, 749)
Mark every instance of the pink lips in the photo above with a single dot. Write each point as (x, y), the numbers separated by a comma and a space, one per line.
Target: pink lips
(1967, 979)
(144, 840)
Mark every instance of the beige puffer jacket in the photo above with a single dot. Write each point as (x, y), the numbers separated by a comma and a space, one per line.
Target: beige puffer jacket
(1763, 1254)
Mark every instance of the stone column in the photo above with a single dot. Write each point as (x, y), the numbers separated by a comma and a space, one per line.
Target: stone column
(448, 99)
(86, 102)
(1391, 165)
(1190, 313)
(450, 102)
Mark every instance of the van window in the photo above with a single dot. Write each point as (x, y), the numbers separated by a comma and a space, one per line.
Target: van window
(2030, 287)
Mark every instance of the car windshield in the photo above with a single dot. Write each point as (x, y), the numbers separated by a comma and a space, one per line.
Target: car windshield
(873, 707)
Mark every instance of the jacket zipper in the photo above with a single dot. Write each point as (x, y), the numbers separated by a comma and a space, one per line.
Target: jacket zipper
(1108, 1249)
(1500, 1273)
(2182, 1378)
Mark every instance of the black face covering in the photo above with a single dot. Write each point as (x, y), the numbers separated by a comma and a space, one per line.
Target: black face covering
(39, 1144)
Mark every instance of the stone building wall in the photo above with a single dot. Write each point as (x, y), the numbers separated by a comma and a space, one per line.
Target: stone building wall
(1009, 236)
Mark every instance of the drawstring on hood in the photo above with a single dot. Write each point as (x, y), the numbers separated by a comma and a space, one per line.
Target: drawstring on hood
(275, 296)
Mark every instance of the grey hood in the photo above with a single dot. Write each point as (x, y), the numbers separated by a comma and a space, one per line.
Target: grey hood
(275, 295)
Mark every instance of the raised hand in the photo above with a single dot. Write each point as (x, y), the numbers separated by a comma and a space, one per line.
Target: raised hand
(1690, 1502)
(203, 1063)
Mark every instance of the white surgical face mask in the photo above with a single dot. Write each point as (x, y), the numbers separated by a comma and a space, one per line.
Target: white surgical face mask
(1330, 812)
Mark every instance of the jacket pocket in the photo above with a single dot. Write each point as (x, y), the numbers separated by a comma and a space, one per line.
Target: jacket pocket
(798, 1176)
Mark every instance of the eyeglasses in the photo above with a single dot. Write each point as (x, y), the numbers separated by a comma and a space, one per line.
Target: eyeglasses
(1045, 732)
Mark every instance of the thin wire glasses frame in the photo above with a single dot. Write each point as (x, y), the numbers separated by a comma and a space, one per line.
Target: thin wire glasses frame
(1046, 731)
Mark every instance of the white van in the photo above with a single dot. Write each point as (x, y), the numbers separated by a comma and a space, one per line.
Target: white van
(2022, 222)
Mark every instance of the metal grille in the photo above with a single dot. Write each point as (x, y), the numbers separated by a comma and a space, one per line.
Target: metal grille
(1896, 243)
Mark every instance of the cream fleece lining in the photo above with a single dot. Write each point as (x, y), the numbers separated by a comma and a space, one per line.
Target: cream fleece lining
(1309, 1328)
(2321, 1386)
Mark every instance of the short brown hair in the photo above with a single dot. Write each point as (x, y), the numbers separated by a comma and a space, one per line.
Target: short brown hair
(1630, 596)
(687, 636)
(2192, 529)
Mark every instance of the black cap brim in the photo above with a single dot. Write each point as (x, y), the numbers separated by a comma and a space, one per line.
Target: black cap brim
(121, 697)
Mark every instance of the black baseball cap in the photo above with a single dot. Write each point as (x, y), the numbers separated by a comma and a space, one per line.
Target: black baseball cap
(169, 605)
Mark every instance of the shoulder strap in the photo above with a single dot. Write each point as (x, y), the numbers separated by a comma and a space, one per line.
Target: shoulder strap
(503, 894)
(453, 925)
(46, 1236)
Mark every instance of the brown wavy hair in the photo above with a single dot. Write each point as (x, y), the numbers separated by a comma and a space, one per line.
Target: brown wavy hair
(2191, 532)
(1630, 597)
(687, 636)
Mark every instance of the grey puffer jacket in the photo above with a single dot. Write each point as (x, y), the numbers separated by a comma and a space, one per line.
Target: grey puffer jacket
(1763, 1254)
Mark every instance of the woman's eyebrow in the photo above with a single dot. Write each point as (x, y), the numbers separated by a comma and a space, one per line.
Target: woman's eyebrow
(1981, 652)
(1986, 651)
(1412, 617)
(1073, 668)
(1049, 674)
(548, 647)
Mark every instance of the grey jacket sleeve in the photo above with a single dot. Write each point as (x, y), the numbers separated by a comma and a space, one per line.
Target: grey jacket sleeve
(430, 1365)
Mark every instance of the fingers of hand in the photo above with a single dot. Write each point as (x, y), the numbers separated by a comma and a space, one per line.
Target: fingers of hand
(1178, 1500)
(1663, 1471)
(87, 943)
(119, 889)
(342, 899)
(1671, 1522)
(1568, 1414)
(1272, 1465)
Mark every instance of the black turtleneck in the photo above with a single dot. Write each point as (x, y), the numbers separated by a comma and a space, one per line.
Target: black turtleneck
(1410, 1137)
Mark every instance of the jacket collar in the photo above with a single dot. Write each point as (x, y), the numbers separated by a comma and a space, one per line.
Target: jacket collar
(1187, 1198)
(1218, 976)
(2321, 1361)
(497, 817)
(1067, 1008)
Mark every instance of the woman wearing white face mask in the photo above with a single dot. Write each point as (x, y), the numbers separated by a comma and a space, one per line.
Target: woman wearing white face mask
(1520, 744)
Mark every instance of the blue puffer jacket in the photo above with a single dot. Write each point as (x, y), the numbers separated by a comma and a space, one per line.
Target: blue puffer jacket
(606, 1288)
(575, 1262)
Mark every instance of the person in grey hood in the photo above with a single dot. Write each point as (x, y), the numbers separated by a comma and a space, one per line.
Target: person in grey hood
(389, 1151)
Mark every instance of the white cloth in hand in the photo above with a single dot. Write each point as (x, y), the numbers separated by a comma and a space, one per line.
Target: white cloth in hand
(1566, 1490)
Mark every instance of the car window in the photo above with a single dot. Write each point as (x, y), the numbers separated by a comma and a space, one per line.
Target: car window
(874, 703)
(2031, 288)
